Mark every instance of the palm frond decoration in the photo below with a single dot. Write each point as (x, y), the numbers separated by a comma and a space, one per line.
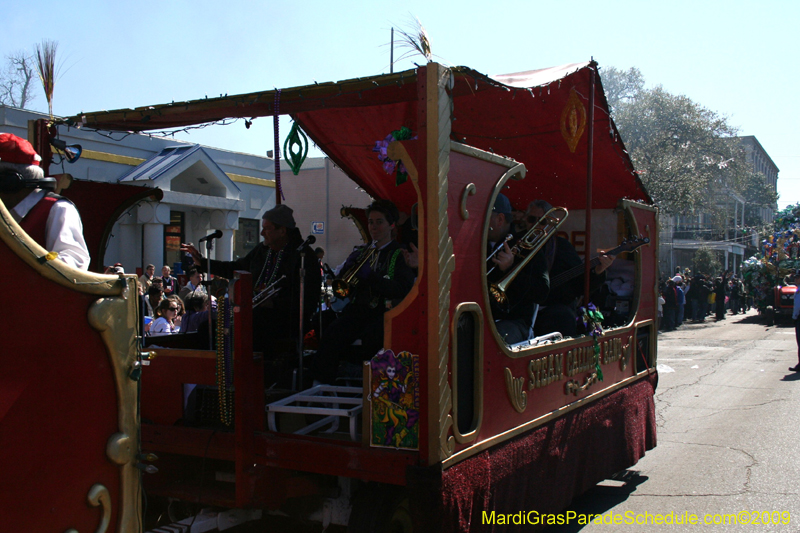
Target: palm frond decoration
(416, 40)
(48, 72)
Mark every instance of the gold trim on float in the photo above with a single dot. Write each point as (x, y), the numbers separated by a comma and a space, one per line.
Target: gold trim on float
(468, 307)
(438, 268)
(99, 496)
(51, 268)
(533, 424)
(517, 394)
(653, 343)
(117, 321)
(574, 387)
(469, 190)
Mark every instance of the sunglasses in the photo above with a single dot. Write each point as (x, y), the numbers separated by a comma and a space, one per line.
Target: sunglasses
(174, 308)
(532, 219)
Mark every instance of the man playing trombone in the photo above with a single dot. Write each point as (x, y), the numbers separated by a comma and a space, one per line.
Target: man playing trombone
(275, 266)
(513, 318)
(372, 277)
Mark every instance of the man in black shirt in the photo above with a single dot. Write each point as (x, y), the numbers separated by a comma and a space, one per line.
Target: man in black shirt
(275, 261)
(513, 320)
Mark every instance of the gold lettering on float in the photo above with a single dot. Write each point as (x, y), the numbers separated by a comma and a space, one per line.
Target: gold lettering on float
(544, 371)
(611, 350)
(580, 359)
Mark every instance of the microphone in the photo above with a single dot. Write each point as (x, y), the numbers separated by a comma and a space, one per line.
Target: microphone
(308, 242)
(216, 235)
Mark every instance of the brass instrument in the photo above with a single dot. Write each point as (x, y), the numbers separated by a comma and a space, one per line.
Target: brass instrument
(526, 247)
(347, 281)
(267, 294)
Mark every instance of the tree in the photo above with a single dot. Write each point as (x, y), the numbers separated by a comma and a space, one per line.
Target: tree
(706, 262)
(684, 152)
(16, 80)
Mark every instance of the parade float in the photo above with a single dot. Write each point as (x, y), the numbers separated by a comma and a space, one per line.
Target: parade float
(447, 424)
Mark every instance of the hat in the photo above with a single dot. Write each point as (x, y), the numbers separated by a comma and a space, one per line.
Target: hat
(17, 150)
(280, 215)
(502, 205)
(677, 279)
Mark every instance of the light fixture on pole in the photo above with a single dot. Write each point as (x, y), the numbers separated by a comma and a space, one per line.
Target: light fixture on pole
(72, 152)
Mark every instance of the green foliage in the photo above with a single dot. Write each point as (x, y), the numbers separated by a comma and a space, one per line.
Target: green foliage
(706, 262)
(684, 152)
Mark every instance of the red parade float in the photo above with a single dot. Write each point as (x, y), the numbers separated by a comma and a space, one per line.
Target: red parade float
(481, 428)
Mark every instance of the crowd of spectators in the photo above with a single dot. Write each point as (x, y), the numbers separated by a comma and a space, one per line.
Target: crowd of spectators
(685, 297)
(169, 307)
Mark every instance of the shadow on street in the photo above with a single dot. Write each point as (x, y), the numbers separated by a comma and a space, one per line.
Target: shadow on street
(600, 499)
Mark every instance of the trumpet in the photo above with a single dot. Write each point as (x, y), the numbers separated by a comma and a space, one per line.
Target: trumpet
(526, 247)
(347, 281)
(267, 294)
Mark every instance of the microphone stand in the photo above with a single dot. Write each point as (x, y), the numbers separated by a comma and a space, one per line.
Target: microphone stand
(209, 247)
(300, 340)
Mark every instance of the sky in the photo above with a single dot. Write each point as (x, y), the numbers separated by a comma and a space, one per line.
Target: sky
(733, 57)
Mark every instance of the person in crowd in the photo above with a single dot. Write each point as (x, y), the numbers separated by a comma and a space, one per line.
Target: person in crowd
(736, 295)
(720, 286)
(796, 318)
(275, 263)
(115, 269)
(52, 221)
(168, 282)
(194, 286)
(146, 279)
(670, 294)
(705, 291)
(154, 296)
(560, 309)
(383, 277)
(168, 320)
(681, 300)
(197, 309)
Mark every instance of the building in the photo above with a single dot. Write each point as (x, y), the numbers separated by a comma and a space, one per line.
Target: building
(763, 164)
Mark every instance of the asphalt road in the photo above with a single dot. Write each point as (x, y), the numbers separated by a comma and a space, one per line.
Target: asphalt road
(728, 436)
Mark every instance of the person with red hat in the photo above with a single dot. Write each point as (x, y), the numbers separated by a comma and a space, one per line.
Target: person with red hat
(49, 219)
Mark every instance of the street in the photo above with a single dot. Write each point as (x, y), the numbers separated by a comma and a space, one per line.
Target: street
(727, 410)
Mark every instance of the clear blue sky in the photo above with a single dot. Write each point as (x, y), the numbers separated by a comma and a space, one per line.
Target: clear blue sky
(734, 57)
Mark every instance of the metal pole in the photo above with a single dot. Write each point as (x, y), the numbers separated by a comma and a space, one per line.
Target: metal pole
(209, 246)
(589, 162)
(391, 53)
(300, 340)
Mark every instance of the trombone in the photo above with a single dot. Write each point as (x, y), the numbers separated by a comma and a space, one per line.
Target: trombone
(526, 247)
(267, 294)
(347, 280)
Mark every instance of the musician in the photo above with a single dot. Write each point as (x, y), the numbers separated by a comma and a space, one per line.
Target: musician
(560, 309)
(278, 255)
(384, 278)
(49, 219)
(529, 287)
